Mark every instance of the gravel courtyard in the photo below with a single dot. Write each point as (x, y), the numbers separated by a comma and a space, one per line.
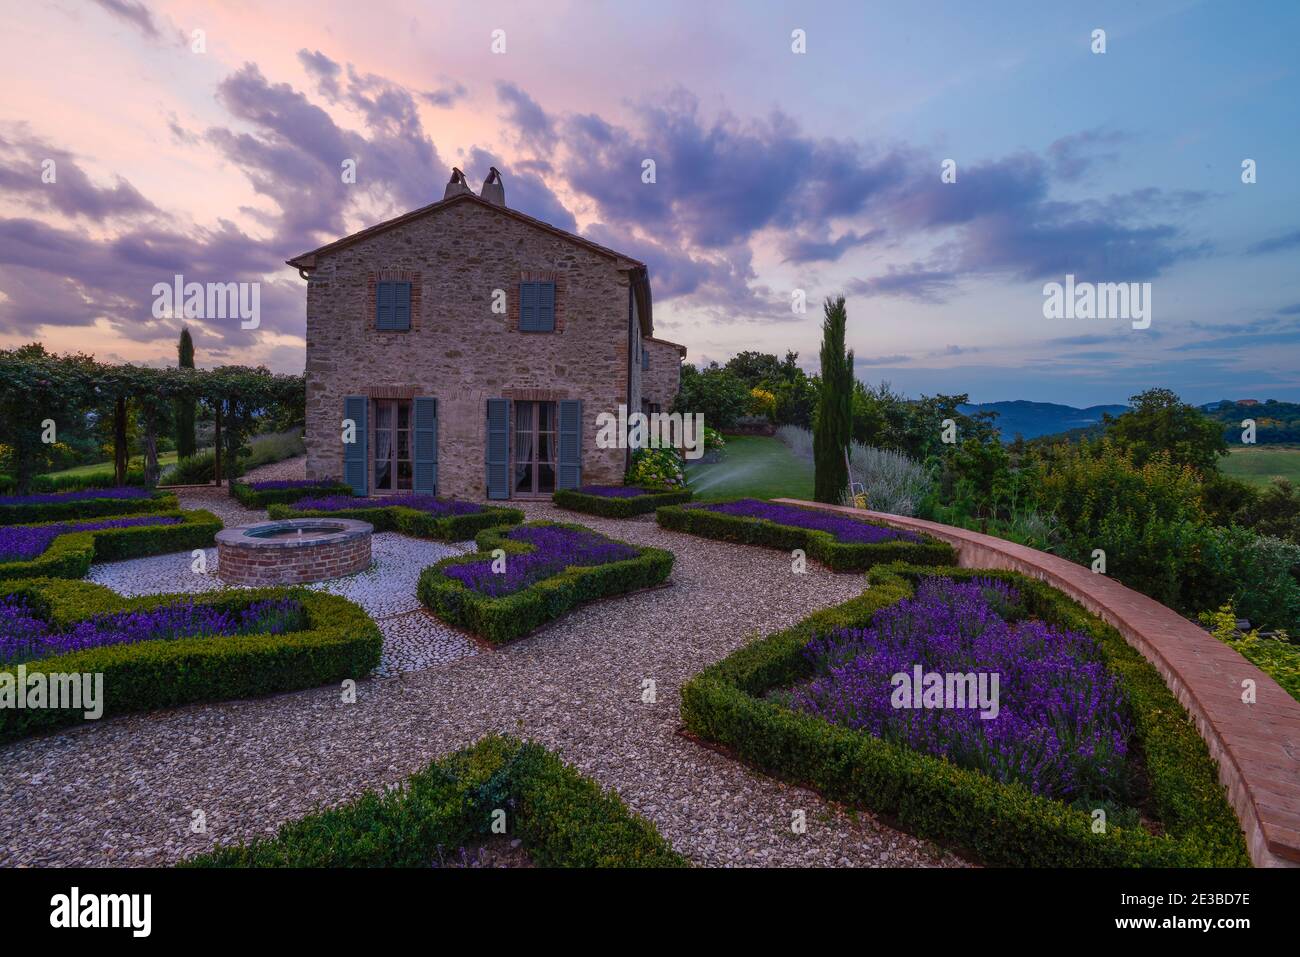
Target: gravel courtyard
(125, 791)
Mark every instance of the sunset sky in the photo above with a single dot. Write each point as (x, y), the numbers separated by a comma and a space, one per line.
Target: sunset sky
(775, 171)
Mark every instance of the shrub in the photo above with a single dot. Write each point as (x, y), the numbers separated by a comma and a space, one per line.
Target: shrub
(70, 555)
(262, 494)
(1146, 518)
(340, 641)
(85, 503)
(510, 616)
(562, 818)
(1276, 657)
(656, 468)
(999, 824)
(442, 524)
(599, 500)
(892, 482)
(874, 544)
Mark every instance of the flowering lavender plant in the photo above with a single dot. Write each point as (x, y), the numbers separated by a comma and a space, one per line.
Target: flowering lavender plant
(555, 548)
(77, 496)
(24, 637)
(1062, 725)
(19, 543)
(846, 530)
(424, 503)
(615, 491)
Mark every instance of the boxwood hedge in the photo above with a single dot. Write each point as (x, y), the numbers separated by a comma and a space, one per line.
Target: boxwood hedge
(250, 497)
(562, 818)
(86, 508)
(999, 824)
(512, 616)
(340, 642)
(71, 555)
(608, 506)
(822, 546)
(411, 521)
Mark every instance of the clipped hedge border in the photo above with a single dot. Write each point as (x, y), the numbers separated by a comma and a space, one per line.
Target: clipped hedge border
(250, 497)
(412, 521)
(563, 818)
(610, 507)
(1000, 824)
(512, 616)
(70, 555)
(86, 508)
(340, 642)
(822, 546)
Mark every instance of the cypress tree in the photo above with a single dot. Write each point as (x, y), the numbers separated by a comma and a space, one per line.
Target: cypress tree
(185, 442)
(834, 421)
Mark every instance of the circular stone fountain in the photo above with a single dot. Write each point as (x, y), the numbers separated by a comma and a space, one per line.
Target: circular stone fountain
(293, 551)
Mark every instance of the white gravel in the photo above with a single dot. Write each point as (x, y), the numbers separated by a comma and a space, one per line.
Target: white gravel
(124, 791)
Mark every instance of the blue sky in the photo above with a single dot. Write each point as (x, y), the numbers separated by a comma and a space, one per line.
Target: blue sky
(776, 171)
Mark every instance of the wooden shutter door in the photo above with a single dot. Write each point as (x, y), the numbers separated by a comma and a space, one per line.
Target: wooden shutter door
(498, 448)
(569, 472)
(424, 427)
(402, 305)
(546, 306)
(354, 454)
(528, 307)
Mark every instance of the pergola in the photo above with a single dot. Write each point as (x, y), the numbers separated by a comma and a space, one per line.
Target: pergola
(37, 387)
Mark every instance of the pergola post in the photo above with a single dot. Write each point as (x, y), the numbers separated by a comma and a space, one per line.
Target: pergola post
(119, 442)
(216, 449)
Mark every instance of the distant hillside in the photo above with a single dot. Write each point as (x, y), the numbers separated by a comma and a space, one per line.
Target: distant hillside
(1275, 422)
(1032, 419)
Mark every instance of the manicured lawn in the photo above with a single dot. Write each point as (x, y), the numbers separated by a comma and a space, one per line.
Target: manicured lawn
(1260, 465)
(106, 468)
(753, 467)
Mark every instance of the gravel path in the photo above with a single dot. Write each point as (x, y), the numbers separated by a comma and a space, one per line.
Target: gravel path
(125, 791)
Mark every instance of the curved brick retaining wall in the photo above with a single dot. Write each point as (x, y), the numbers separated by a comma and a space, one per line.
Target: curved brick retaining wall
(1257, 746)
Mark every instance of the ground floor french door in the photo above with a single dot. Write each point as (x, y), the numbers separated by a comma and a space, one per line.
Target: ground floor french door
(534, 449)
(390, 446)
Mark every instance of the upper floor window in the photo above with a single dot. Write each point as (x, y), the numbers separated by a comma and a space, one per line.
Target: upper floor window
(537, 307)
(393, 305)
(645, 360)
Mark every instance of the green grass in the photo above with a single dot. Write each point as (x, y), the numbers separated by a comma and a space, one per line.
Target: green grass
(106, 468)
(753, 466)
(1261, 464)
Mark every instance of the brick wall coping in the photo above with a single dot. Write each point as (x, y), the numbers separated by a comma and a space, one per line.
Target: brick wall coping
(1257, 746)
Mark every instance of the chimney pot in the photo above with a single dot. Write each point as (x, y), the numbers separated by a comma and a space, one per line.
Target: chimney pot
(456, 184)
(494, 190)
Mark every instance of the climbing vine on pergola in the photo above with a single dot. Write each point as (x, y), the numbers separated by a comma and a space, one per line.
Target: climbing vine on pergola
(38, 387)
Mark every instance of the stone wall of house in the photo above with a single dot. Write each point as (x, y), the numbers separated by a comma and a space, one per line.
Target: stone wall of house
(660, 382)
(458, 350)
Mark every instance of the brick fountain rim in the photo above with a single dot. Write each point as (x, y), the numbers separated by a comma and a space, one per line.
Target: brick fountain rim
(253, 535)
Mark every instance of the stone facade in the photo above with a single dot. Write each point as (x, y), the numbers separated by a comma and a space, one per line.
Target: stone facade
(458, 349)
(663, 377)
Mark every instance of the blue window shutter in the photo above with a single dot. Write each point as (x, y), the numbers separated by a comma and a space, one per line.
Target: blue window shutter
(402, 305)
(528, 318)
(354, 454)
(645, 360)
(384, 305)
(570, 436)
(545, 307)
(498, 448)
(424, 416)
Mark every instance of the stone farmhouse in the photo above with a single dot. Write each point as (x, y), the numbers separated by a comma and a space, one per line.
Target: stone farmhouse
(472, 347)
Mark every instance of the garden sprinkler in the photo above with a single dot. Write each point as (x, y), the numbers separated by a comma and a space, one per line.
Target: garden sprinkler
(857, 491)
